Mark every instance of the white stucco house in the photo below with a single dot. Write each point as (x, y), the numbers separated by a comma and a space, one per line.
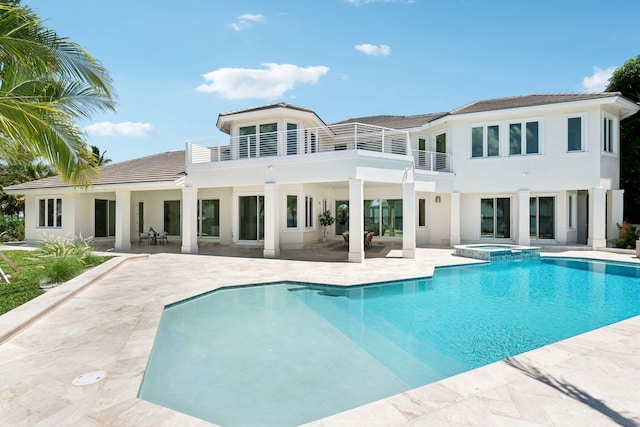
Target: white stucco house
(536, 169)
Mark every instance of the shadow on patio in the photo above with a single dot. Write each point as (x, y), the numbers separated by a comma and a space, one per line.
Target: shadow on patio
(332, 251)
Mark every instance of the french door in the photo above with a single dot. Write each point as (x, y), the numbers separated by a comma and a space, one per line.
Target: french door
(251, 217)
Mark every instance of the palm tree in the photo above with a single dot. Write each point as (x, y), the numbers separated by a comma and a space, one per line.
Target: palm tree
(47, 83)
(98, 157)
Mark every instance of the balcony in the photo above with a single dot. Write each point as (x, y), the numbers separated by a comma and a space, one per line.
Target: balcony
(314, 141)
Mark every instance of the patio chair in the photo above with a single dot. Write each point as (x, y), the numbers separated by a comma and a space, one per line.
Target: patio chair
(368, 239)
(144, 236)
(162, 238)
(345, 236)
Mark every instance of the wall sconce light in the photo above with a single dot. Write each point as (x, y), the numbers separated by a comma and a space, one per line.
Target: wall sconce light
(438, 199)
(270, 168)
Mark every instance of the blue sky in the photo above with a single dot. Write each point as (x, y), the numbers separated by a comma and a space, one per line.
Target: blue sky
(177, 65)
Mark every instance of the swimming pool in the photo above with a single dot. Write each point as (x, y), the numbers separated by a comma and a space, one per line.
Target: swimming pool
(289, 353)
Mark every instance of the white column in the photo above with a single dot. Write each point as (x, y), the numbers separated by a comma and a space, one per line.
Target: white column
(356, 220)
(455, 219)
(271, 229)
(123, 220)
(189, 220)
(597, 218)
(408, 220)
(524, 238)
(615, 202)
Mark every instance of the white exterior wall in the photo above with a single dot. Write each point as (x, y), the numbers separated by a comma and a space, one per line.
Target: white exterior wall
(553, 172)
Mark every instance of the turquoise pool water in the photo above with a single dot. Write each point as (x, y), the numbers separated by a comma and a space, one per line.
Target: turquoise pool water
(288, 353)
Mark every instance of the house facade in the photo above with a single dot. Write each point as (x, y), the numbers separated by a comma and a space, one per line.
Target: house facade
(528, 170)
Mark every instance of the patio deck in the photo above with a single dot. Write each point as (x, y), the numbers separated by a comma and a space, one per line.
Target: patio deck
(106, 320)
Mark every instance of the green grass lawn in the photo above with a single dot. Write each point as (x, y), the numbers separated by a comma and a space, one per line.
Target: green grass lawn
(25, 284)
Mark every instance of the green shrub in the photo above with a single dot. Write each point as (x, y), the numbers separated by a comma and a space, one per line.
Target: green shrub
(62, 268)
(63, 247)
(627, 235)
(11, 228)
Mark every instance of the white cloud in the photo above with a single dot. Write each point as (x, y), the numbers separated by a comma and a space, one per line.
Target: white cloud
(245, 21)
(599, 80)
(271, 82)
(128, 129)
(373, 50)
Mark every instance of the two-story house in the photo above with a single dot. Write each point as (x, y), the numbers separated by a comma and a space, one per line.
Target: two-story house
(529, 170)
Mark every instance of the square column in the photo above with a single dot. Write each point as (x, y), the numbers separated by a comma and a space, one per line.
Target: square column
(271, 217)
(356, 220)
(123, 220)
(597, 218)
(524, 237)
(455, 219)
(615, 206)
(409, 220)
(189, 220)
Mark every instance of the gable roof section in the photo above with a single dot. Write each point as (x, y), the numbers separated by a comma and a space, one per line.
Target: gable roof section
(396, 122)
(224, 127)
(528, 101)
(161, 167)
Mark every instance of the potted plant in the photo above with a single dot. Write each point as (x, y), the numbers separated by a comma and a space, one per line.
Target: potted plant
(325, 219)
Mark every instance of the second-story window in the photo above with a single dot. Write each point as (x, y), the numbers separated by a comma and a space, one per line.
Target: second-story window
(574, 134)
(247, 142)
(257, 141)
(524, 138)
(292, 139)
(485, 141)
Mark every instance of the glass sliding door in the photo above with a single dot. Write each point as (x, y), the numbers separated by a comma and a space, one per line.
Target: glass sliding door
(495, 218)
(104, 218)
(342, 216)
(172, 217)
(251, 220)
(372, 216)
(391, 216)
(542, 223)
(209, 218)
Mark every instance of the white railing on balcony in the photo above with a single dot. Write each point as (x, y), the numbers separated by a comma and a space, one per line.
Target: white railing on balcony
(348, 136)
(432, 161)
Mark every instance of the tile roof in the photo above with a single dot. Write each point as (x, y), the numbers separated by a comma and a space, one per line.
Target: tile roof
(266, 107)
(166, 166)
(396, 122)
(528, 101)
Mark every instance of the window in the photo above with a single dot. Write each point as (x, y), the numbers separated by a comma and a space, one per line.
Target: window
(441, 150)
(209, 218)
(308, 219)
(495, 220)
(574, 134)
(542, 218)
(50, 213)
(383, 217)
(485, 141)
(258, 142)
(247, 142)
(292, 211)
(251, 217)
(104, 218)
(268, 139)
(527, 142)
(422, 212)
(292, 139)
(141, 217)
(572, 209)
(342, 216)
(607, 135)
(172, 217)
